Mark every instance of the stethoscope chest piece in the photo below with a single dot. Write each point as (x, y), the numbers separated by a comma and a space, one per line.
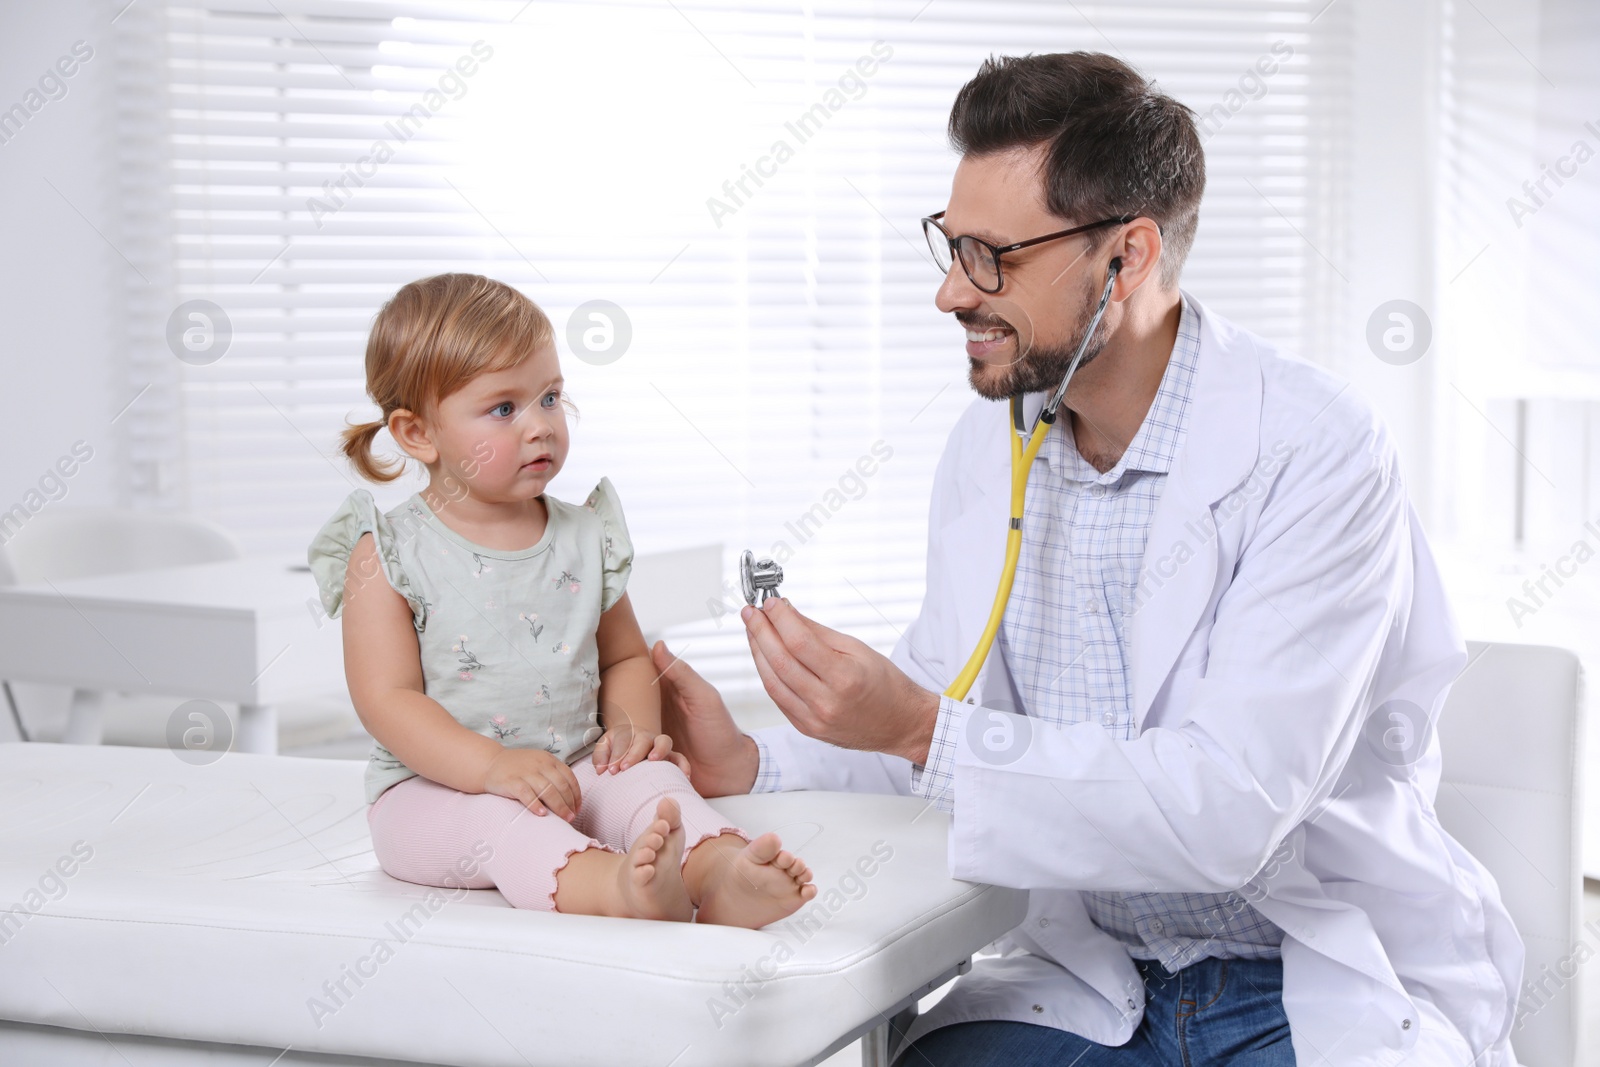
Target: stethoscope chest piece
(758, 578)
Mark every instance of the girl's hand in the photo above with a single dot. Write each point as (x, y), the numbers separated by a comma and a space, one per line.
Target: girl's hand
(536, 779)
(623, 745)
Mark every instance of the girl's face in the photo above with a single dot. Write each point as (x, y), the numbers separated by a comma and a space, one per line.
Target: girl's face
(504, 434)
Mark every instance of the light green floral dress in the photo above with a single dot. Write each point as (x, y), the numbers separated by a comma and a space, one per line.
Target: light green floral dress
(507, 638)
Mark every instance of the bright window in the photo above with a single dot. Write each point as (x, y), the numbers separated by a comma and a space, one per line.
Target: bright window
(743, 180)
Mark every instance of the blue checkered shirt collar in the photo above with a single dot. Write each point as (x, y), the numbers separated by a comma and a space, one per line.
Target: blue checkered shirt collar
(1154, 446)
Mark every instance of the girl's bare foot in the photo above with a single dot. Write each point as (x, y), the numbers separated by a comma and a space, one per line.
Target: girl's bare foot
(754, 885)
(650, 878)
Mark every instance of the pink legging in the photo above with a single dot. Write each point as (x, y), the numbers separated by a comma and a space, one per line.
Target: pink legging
(430, 834)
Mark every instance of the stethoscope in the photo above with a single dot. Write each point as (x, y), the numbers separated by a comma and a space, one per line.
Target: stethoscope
(759, 579)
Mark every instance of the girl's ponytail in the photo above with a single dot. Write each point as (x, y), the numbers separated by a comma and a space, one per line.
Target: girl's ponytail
(356, 442)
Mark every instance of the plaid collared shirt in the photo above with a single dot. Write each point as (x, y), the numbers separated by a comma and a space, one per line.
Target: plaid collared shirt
(1083, 541)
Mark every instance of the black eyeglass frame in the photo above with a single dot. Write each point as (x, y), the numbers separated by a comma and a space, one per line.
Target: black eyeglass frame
(996, 251)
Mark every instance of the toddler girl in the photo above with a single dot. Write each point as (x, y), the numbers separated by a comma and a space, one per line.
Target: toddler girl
(497, 663)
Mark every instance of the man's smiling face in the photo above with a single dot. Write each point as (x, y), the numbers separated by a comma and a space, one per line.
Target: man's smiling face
(1020, 339)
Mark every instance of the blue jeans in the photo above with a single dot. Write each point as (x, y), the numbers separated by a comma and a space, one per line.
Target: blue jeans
(1211, 1012)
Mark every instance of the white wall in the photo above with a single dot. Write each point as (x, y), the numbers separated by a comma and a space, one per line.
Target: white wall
(1389, 243)
(60, 280)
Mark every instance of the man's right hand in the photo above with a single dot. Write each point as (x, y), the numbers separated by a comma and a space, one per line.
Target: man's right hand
(722, 758)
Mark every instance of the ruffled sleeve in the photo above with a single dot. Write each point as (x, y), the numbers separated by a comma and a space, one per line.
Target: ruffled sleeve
(329, 554)
(617, 546)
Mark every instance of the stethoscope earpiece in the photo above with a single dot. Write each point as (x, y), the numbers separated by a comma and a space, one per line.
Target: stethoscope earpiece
(1048, 413)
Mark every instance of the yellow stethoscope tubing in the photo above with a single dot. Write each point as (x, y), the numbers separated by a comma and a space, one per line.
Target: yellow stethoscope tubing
(1021, 464)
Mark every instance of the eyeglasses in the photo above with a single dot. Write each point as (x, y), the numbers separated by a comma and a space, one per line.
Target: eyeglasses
(979, 258)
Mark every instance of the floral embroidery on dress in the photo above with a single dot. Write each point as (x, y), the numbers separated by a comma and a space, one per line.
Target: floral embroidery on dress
(542, 696)
(500, 729)
(554, 744)
(609, 550)
(532, 619)
(482, 566)
(469, 662)
(590, 679)
(561, 648)
(571, 581)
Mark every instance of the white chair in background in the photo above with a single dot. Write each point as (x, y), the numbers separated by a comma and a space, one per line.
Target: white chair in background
(1511, 794)
(59, 544)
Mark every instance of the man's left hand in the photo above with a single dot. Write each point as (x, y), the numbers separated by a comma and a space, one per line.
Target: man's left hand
(835, 688)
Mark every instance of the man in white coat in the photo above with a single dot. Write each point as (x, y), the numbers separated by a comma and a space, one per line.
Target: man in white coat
(1203, 738)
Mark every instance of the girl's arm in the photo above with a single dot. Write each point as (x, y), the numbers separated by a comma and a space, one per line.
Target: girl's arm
(628, 691)
(383, 667)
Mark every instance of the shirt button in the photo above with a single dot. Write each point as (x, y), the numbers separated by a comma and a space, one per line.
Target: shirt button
(1109, 718)
(1044, 922)
(1156, 926)
(1038, 1009)
(1405, 1024)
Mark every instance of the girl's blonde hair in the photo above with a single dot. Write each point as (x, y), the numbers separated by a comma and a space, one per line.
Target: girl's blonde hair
(433, 337)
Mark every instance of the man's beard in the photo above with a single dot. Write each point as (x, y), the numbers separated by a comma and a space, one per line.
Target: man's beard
(1042, 367)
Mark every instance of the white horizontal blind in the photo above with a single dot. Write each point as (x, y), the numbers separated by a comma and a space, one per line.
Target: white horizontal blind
(779, 331)
(1519, 272)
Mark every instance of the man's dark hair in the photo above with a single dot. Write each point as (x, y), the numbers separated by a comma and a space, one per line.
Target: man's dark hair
(1115, 144)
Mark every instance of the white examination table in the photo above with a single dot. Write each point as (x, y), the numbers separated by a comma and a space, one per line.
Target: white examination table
(153, 912)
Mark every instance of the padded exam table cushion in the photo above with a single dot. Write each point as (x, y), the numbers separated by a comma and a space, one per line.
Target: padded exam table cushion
(240, 902)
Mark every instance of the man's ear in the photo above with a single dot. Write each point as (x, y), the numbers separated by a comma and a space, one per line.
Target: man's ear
(1139, 247)
(411, 434)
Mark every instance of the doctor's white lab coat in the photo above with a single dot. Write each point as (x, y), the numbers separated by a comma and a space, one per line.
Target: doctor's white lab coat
(1288, 595)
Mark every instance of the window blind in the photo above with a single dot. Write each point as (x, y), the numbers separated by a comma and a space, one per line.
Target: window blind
(742, 180)
(1517, 248)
